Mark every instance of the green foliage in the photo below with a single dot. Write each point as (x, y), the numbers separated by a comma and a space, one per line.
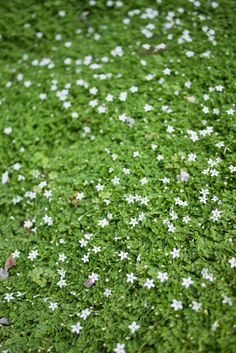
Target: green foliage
(115, 167)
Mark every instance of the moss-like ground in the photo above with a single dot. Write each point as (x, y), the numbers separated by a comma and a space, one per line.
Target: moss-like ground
(117, 134)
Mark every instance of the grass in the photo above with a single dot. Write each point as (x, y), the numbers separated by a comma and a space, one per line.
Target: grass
(117, 165)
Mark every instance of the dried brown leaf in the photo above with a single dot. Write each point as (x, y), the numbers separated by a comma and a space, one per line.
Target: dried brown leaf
(10, 262)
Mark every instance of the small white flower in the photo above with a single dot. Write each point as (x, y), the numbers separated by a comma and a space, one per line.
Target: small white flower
(123, 255)
(196, 306)
(187, 282)
(8, 297)
(107, 293)
(5, 177)
(115, 181)
(94, 277)
(85, 314)
(133, 327)
(214, 326)
(227, 300)
(133, 222)
(131, 277)
(167, 71)
(48, 220)
(215, 215)
(162, 276)
(16, 254)
(99, 187)
(148, 107)
(53, 306)
(79, 195)
(76, 328)
(177, 305)
(103, 222)
(149, 283)
(62, 257)
(7, 130)
(232, 262)
(32, 255)
(175, 253)
(61, 283)
(120, 348)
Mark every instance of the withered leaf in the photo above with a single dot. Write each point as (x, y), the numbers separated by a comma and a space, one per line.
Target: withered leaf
(191, 99)
(3, 274)
(4, 321)
(10, 262)
(89, 283)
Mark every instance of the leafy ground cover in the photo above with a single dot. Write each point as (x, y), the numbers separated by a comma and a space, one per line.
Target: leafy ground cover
(117, 176)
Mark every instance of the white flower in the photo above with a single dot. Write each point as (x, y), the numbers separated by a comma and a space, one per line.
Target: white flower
(48, 220)
(107, 293)
(118, 51)
(232, 262)
(8, 297)
(93, 90)
(62, 283)
(74, 115)
(227, 300)
(109, 98)
(16, 254)
(43, 96)
(94, 277)
(232, 168)
(177, 304)
(186, 219)
(215, 215)
(76, 328)
(136, 154)
(230, 111)
(99, 187)
(183, 176)
(192, 157)
(133, 89)
(162, 276)
(62, 257)
(175, 253)
(187, 282)
(206, 275)
(143, 181)
(196, 306)
(103, 222)
(148, 108)
(167, 71)
(83, 242)
(214, 326)
(115, 181)
(32, 255)
(160, 157)
(85, 258)
(53, 306)
(133, 222)
(120, 348)
(170, 129)
(123, 255)
(5, 177)
(149, 283)
(133, 327)
(7, 130)
(79, 195)
(131, 277)
(85, 314)
(123, 96)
